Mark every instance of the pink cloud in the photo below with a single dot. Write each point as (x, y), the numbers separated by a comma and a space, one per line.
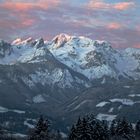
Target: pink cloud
(100, 4)
(123, 5)
(21, 23)
(114, 25)
(24, 6)
(27, 22)
(137, 46)
(19, 12)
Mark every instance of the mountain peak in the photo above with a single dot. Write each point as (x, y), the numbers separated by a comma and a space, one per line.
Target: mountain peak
(19, 41)
(39, 43)
(61, 39)
(62, 36)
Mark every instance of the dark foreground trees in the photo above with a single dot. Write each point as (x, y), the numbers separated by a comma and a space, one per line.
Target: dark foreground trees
(42, 131)
(86, 128)
(4, 135)
(89, 130)
(101, 130)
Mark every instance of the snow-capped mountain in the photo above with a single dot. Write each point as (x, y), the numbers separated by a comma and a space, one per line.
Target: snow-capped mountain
(94, 59)
(31, 64)
(67, 77)
(25, 51)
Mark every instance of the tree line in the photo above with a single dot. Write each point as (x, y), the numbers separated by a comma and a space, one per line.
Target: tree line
(86, 128)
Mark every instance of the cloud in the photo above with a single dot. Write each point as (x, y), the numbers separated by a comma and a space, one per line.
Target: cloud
(27, 22)
(114, 25)
(123, 5)
(100, 4)
(47, 18)
(19, 15)
(137, 46)
(138, 27)
(24, 6)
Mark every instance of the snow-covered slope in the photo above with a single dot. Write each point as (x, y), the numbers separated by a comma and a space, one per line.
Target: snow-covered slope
(94, 58)
(19, 51)
(132, 62)
(32, 65)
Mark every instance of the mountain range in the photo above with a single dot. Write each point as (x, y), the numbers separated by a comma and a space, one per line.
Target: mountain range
(67, 77)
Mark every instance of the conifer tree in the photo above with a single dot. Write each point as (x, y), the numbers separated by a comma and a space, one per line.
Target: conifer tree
(105, 130)
(81, 131)
(125, 130)
(41, 131)
(57, 136)
(86, 130)
(91, 119)
(113, 128)
(99, 132)
(137, 129)
(1, 131)
(72, 135)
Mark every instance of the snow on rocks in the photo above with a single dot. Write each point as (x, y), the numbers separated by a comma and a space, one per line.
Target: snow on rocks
(126, 86)
(111, 110)
(106, 117)
(18, 111)
(62, 77)
(127, 102)
(4, 110)
(81, 104)
(101, 104)
(17, 41)
(28, 124)
(39, 99)
(123, 101)
(134, 95)
(18, 135)
(63, 135)
(120, 107)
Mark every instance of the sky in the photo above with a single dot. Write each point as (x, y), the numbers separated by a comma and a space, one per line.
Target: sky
(116, 21)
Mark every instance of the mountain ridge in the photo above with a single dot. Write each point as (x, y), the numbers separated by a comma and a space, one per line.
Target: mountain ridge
(67, 77)
(92, 58)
